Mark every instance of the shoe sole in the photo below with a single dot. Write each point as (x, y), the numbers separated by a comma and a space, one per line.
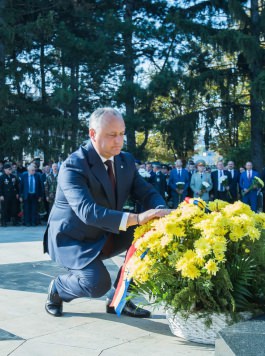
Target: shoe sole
(55, 315)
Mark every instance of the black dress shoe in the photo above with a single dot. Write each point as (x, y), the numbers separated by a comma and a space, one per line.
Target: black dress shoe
(129, 309)
(54, 304)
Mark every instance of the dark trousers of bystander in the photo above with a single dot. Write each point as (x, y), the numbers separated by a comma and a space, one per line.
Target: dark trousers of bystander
(30, 206)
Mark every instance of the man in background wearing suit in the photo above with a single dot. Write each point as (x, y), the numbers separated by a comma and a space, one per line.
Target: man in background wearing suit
(249, 191)
(178, 175)
(159, 180)
(220, 190)
(235, 177)
(31, 193)
(86, 223)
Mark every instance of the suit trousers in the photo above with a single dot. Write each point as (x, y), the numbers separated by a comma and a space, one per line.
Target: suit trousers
(92, 281)
(251, 199)
(177, 198)
(30, 209)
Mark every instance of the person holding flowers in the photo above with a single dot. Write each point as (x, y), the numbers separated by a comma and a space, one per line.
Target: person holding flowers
(249, 184)
(221, 179)
(178, 183)
(201, 182)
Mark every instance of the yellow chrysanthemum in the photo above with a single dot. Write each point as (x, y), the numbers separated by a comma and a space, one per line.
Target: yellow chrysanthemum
(166, 240)
(211, 267)
(217, 205)
(190, 271)
(219, 244)
(202, 247)
(190, 255)
(254, 233)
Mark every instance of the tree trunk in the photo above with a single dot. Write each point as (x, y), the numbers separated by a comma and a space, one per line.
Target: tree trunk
(74, 109)
(256, 105)
(129, 67)
(45, 143)
(42, 74)
(2, 54)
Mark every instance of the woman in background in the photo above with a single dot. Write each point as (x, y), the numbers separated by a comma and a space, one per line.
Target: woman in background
(201, 182)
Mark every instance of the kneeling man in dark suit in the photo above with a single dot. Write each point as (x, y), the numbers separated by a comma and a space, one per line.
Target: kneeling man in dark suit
(86, 223)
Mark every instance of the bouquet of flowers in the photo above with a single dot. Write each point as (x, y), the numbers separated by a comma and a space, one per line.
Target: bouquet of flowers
(41, 208)
(256, 183)
(180, 185)
(143, 173)
(204, 187)
(129, 206)
(192, 260)
(224, 182)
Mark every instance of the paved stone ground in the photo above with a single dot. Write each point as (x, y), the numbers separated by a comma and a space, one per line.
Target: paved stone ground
(85, 329)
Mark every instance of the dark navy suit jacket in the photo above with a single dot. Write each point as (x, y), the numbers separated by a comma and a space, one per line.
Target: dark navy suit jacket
(24, 186)
(214, 176)
(234, 185)
(85, 211)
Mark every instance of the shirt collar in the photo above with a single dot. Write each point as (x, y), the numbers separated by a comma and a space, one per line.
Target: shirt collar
(103, 159)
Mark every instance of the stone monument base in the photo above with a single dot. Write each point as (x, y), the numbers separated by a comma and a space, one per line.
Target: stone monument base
(242, 339)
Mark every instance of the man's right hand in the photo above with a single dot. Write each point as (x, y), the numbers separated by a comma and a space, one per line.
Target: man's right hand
(140, 219)
(152, 214)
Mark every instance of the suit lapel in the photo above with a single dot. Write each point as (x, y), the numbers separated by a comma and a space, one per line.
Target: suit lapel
(99, 171)
(120, 168)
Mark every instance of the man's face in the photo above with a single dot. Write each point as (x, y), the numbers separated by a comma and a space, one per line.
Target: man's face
(148, 167)
(47, 169)
(8, 171)
(220, 165)
(248, 166)
(32, 171)
(55, 168)
(230, 165)
(109, 138)
(178, 163)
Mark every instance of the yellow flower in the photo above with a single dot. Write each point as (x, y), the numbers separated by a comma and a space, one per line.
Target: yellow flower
(190, 271)
(217, 205)
(200, 261)
(166, 240)
(190, 255)
(260, 220)
(141, 230)
(254, 233)
(219, 245)
(202, 247)
(211, 267)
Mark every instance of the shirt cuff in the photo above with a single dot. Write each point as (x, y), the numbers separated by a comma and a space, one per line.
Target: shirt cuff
(160, 207)
(124, 220)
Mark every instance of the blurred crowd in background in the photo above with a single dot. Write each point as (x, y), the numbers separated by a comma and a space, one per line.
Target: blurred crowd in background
(27, 193)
